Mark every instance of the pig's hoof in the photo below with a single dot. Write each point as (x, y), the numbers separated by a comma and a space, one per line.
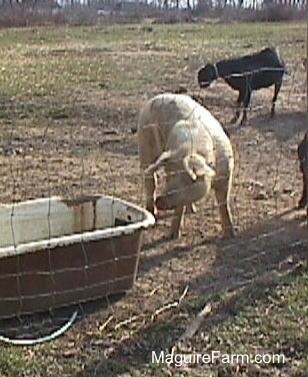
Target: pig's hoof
(152, 209)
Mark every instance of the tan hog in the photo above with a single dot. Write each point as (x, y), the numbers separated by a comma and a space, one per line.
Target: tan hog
(177, 133)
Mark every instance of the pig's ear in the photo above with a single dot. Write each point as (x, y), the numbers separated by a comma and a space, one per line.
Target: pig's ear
(196, 166)
(161, 161)
(165, 158)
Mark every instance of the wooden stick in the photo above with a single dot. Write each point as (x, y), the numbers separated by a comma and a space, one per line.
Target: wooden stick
(169, 306)
(194, 325)
(104, 325)
(127, 321)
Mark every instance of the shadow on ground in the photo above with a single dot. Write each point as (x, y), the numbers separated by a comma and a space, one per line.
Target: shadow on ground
(284, 126)
(255, 258)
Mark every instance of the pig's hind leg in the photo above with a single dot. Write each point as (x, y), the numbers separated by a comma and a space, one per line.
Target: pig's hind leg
(222, 192)
(177, 220)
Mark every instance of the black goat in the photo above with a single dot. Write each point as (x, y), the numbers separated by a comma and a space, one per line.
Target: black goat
(245, 74)
(302, 152)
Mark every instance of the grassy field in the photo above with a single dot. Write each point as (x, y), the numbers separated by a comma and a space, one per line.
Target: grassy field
(69, 99)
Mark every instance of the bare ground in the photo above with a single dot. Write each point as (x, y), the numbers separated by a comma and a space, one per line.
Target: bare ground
(98, 154)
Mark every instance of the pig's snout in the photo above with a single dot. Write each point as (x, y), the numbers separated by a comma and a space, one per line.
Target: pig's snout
(183, 196)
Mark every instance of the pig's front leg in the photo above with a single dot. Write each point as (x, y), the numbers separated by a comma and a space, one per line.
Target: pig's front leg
(150, 182)
(176, 224)
(192, 208)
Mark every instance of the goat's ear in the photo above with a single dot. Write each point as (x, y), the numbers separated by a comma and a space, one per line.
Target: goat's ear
(196, 166)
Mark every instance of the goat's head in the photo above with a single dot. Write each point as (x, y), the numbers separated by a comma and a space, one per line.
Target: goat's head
(206, 75)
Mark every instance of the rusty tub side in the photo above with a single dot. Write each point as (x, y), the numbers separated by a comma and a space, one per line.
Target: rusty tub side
(62, 270)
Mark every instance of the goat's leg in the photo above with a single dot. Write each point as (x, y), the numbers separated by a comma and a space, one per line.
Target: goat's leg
(177, 221)
(246, 103)
(303, 200)
(276, 91)
(302, 156)
(238, 104)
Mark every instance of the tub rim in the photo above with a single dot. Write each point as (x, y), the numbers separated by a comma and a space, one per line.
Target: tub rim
(53, 242)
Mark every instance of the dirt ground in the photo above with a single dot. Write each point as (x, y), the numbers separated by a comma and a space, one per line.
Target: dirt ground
(101, 156)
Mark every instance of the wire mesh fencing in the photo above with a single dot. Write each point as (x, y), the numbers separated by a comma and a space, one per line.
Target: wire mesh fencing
(80, 162)
(266, 188)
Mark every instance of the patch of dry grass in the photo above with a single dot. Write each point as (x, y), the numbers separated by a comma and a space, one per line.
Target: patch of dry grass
(68, 100)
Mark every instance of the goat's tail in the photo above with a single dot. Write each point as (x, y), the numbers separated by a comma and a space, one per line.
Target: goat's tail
(287, 71)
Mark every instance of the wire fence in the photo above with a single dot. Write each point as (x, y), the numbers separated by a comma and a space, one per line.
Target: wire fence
(264, 193)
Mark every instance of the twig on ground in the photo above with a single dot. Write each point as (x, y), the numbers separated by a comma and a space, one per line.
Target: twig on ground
(194, 325)
(173, 304)
(153, 316)
(127, 321)
(153, 291)
(105, 324)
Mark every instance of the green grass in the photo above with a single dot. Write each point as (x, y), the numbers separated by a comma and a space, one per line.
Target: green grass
(264, 318)
(270, 319)
(50, 68)
(51, 61)
(14, 361)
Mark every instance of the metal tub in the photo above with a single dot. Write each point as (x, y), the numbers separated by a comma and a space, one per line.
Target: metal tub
(55, 252)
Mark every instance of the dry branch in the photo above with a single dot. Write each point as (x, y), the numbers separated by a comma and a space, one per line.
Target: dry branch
(194, 326)
(127, 321)
(104, 325)
(169, 306)
(155, 314)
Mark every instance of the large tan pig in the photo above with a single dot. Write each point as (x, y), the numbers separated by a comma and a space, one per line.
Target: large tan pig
(177, 133)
